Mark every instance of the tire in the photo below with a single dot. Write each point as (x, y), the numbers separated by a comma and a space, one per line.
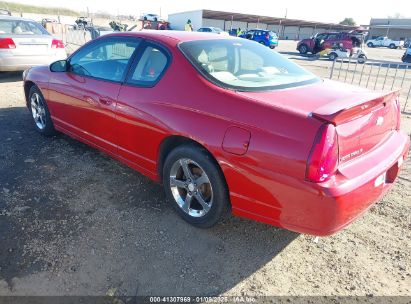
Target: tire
(40, 112)
(303, 49)
(392, 46)
(362, 59)
(332, 56)
(211, 188)
(370, 44)
(272, 47)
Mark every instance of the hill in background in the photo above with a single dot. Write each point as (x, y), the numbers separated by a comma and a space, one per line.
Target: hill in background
(17, 7)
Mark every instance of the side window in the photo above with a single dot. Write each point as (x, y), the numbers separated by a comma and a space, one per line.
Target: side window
(106, 60)
(150, 67)
(332, 37)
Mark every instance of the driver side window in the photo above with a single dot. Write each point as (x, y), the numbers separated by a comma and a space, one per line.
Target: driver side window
(106, 60)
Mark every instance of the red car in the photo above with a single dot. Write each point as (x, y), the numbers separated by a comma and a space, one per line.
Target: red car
(323, 41)
(224, 123)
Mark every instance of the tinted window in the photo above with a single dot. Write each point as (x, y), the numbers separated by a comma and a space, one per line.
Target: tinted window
(321, 36)
(244, 65)
(332, 37)
(21, 27)
(107, 59)
(150, 66)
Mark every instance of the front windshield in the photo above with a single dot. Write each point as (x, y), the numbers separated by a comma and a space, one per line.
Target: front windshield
(244, 65)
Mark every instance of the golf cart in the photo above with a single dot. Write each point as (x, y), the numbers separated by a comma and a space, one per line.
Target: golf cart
(356, 52)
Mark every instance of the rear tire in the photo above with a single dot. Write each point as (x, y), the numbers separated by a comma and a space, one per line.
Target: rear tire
(392, 46)
(40, 112)
(370, 44)
(332, 56)
(195, 186)
(362, 59)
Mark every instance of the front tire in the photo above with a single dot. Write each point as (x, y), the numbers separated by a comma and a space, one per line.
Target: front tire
(392, 46)
(40, 112)
(195, 186)
(370, 44)
(303, 49)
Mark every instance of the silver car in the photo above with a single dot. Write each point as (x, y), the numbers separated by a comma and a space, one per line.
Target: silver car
(25, 43)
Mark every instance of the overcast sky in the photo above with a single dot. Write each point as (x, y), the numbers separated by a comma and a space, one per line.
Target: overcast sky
(326, 11)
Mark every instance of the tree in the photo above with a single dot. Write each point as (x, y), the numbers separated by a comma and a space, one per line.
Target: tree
(348, 21)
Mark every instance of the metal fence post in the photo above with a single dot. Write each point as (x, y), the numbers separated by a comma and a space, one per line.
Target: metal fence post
(332, 69)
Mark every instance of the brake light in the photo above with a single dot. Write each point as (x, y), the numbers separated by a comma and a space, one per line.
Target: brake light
(323, 159)
(7, 43)
(57, 44)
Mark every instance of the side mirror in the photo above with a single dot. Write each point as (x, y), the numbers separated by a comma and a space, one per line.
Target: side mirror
(59, 66)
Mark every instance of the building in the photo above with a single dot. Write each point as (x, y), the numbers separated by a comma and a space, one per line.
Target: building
(284, 27)
(396, 29)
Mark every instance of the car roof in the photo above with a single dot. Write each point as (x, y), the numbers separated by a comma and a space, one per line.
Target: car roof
(178, 36)
(15, 18)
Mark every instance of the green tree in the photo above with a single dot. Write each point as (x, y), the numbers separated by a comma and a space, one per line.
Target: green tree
(348, 21)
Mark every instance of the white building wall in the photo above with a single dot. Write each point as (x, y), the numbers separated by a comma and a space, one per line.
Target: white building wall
(236, 25)
(213, 23)
(290, 32)
(275, 28)
(178, 20)
(306, 32)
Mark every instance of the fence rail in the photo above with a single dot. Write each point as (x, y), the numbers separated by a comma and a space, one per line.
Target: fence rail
(376, 75)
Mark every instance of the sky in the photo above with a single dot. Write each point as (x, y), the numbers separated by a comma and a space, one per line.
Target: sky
(323, 11)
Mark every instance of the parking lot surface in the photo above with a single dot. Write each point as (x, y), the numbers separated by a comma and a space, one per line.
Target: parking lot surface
(75, 222)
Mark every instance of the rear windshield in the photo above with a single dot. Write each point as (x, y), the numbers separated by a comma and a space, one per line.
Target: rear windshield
(244, 65)
(21, 27)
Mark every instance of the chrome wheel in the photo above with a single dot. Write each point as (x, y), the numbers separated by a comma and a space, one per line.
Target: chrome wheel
(191, 187)
(38, 110)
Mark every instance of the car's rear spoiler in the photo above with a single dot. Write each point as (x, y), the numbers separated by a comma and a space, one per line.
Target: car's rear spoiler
(352, 107)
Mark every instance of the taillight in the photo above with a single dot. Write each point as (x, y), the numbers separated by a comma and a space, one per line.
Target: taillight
(323, 160)
(7, 43)
(398, 108)
(57, 44)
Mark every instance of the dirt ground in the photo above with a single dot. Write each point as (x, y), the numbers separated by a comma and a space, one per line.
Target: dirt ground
(75, 222)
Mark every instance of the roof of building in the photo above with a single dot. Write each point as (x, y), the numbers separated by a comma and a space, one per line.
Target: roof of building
(221, 15)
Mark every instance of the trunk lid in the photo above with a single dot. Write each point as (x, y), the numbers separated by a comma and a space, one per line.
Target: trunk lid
(363, 118)
(32, 45)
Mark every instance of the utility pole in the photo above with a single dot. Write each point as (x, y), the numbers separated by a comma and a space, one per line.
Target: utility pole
(388, 28)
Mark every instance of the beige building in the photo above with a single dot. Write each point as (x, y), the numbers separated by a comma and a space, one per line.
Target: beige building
(285, 28)
(396, 29)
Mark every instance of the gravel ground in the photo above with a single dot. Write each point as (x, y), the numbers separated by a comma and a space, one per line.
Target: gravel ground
(75, 222)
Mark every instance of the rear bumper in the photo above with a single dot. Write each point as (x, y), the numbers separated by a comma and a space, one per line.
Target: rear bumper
(10, 63)
(323, 209)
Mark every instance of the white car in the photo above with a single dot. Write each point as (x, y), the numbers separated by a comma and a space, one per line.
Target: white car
(386, 42)
(211, 29)
(25, 43)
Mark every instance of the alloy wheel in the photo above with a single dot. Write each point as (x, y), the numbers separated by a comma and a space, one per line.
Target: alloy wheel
(191, 187)
(38, 110)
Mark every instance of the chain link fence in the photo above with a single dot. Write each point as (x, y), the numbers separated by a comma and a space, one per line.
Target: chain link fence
(375, 75)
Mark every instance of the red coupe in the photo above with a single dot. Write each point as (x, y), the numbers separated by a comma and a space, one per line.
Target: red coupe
(226, 123)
